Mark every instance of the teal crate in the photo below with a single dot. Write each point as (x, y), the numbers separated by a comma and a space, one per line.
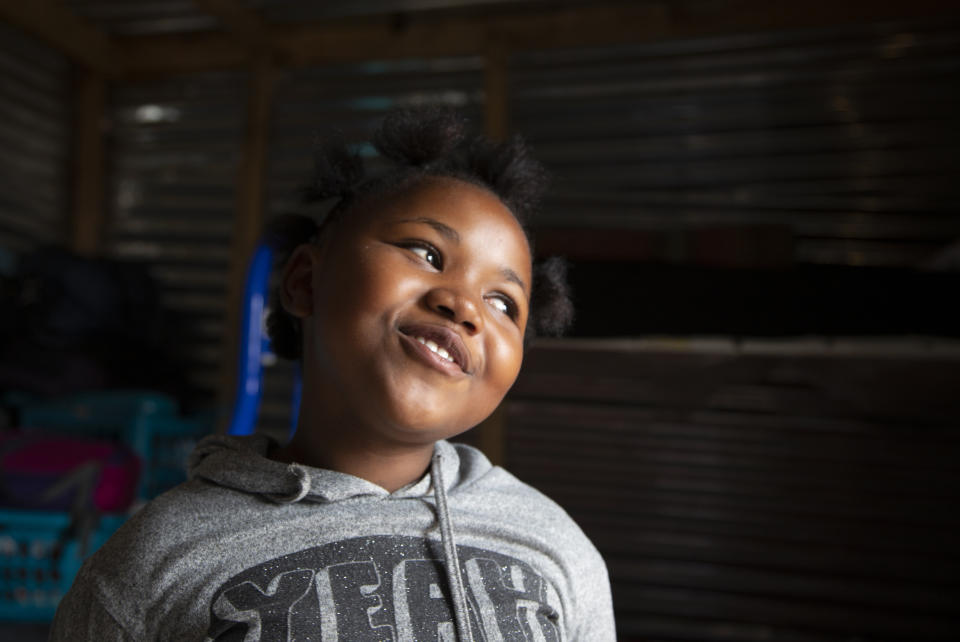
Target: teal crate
(39, 559)
(148, 422)
(105, 412)
(38, 556)
(165, 443)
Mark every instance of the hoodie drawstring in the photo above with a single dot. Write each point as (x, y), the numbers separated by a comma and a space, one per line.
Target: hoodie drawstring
(451, 559)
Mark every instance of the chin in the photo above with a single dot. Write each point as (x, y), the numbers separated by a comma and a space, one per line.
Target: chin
(419, 425)
(425, 430)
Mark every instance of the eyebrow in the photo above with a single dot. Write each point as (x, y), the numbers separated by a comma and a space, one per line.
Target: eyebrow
(513, 277)
(444, 230)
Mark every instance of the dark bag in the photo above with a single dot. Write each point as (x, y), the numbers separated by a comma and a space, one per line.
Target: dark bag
(72, 324)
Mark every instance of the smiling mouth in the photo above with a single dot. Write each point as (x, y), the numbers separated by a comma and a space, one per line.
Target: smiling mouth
(434, 348)
(440, 346)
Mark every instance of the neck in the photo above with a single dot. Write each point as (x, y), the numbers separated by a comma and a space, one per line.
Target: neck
(336, 436)
(390, 466)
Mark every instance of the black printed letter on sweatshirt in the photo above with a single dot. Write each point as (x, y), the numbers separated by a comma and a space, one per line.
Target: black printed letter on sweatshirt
(379, 589)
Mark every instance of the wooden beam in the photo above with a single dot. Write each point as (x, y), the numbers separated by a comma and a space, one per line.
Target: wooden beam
(188, 53)
(248, 222)
(496, 91)
(244, 25)
(88, 163)
(75, 36)
(379, 39)
(435, 35)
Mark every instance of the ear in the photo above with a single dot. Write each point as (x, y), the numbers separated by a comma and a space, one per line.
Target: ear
(296, 281)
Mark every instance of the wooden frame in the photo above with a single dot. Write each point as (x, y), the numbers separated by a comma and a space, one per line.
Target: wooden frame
(247, 37)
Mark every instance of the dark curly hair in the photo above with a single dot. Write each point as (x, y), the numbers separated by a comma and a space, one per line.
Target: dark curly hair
(421, 143)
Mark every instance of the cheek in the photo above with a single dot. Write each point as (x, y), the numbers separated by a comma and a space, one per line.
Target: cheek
(369, 291)
(504, 355)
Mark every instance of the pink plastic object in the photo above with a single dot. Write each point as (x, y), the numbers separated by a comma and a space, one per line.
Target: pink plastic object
(53, 472)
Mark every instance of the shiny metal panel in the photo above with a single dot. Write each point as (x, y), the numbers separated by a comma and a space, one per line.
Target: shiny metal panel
(34, 142)
(847, 137)
(175, 147)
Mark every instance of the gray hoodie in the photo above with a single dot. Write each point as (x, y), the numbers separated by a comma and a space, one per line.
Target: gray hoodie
(254, 549)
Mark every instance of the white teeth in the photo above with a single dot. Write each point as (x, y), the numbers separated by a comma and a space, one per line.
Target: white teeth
(435, 348)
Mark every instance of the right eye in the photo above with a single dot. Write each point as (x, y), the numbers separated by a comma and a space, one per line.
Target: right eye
(426, 252)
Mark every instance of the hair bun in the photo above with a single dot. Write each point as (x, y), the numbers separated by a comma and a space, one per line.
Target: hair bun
(511, 171)
(417, 136)
(551, 298)
(336, 171)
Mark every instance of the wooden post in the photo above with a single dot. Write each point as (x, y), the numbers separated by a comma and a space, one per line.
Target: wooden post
(87, 180)
(492, 433)
(496, 92)
(249, 217)
(61, 28)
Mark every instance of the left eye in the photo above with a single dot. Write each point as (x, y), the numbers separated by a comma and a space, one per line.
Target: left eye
(503, 305)
(427, 253)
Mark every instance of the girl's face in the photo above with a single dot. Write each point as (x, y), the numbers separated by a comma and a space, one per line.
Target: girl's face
(419, 304)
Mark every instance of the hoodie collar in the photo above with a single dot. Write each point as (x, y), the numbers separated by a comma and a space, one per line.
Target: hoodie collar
(241, 463)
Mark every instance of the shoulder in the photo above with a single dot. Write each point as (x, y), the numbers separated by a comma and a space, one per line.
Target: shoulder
(178, 515)
(518, 504)
(151, 555)
(160, 524)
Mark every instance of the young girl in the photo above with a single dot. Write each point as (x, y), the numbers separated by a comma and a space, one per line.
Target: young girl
(408, 307)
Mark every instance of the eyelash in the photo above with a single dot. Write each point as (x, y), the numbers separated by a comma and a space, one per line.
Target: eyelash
(511, 307)
(429, 250)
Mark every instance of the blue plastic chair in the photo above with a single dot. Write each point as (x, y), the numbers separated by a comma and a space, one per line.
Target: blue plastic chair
(255, 349)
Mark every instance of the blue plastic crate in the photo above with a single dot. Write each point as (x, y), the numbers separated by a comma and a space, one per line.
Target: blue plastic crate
(39, 559)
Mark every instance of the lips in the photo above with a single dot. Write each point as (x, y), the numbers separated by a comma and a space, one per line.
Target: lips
(440, 343)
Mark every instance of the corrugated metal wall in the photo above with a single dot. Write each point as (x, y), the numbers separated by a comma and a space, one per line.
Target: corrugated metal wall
(34, 142)
(175, 145)
(299, 10)
(768, 497)
(845, 137)
(848, 138)
(739, 498)
(350, 100)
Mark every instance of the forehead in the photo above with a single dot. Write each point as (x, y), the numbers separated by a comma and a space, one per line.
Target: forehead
(478, 216)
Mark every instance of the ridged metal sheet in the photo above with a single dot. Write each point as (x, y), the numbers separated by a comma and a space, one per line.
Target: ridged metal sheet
(847, 137)
(350, 100)
(152, 17)
(144, 17)
(802, 498)
(175, 147)
(34, 142)
(299, 10)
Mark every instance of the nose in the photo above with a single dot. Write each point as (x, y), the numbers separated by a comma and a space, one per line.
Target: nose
(453, 305)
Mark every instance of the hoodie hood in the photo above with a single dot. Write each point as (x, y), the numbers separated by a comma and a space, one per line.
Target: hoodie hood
(241, 463)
